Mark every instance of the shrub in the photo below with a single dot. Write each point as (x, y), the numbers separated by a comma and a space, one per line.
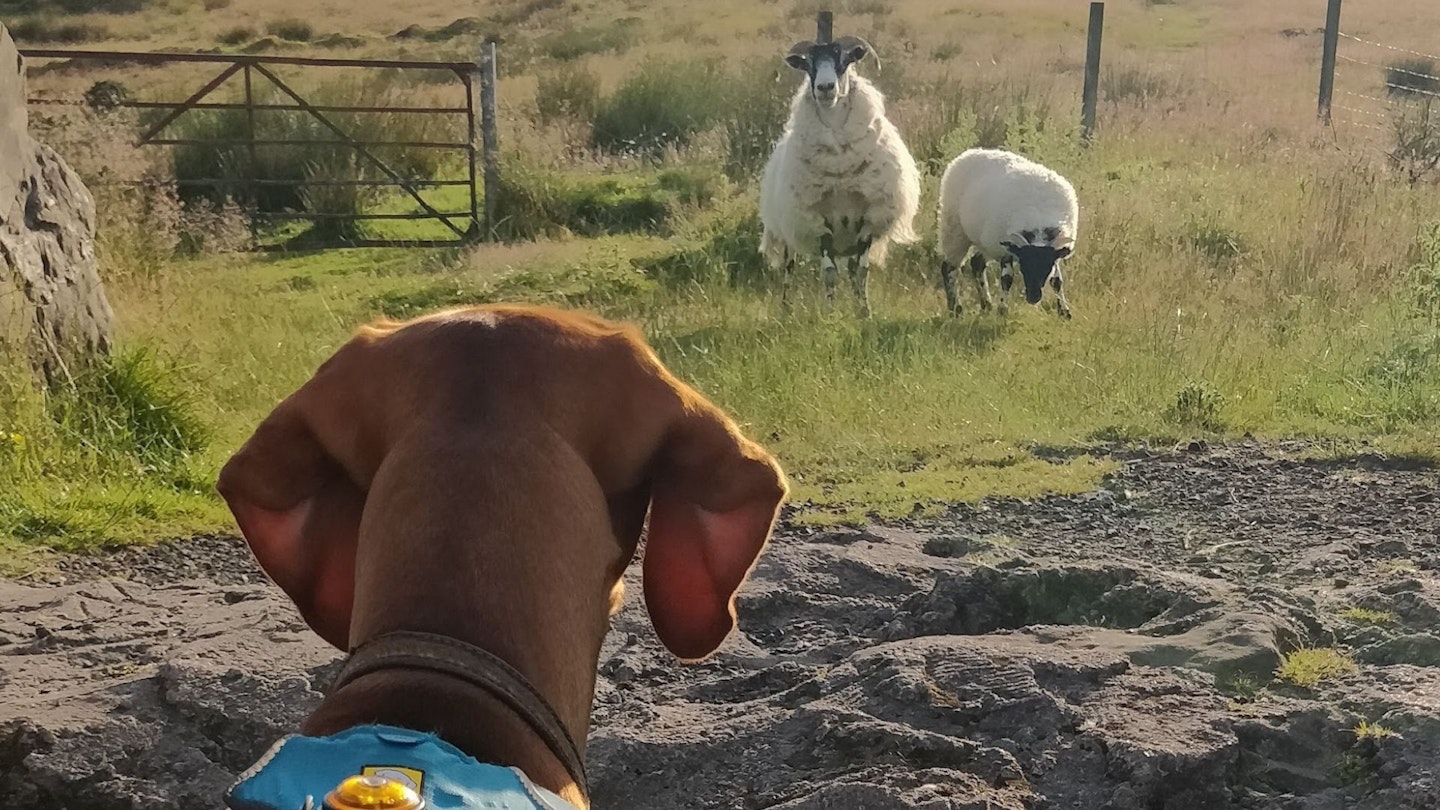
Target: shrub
(524, 11)
(569, 94)
(104, 6)
(106, 95)
(663, 104)
(946, 51)
(11, 7)
(208, 228)
(138, 213)
(40, 30)
(1412, 76)
(237, 35)
(1197, 405)
(1417, 141)
(292, 29)
(573, 43)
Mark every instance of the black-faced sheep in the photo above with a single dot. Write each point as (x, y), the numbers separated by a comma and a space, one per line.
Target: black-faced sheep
(1009, 209)
(841, 181)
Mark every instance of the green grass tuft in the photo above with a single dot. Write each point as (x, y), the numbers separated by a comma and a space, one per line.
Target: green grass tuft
(1364, 615)
(1308, 668)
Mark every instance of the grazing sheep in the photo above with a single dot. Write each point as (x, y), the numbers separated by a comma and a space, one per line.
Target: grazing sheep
(1007, 208)
(840, 180)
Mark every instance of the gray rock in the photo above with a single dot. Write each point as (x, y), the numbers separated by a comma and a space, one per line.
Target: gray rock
(53, 307)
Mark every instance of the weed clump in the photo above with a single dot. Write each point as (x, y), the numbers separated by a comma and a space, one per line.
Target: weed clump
(664, 104)
(1364, 615)
(291, 29)
(129, 406)
(1308, 668)
(1198, 405)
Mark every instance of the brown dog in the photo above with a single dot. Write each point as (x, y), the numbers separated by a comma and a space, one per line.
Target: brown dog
(484, 474)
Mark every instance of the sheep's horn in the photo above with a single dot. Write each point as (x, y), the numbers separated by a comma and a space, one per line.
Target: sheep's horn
(850, 41)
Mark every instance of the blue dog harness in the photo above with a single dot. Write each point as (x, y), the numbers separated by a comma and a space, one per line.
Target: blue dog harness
(297, 772)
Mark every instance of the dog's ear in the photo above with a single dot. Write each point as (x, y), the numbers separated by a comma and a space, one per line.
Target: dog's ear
(713, 504)
(300, 514)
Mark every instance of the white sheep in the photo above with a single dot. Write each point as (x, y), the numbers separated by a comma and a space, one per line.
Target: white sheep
(1007, 208)
(840, 181)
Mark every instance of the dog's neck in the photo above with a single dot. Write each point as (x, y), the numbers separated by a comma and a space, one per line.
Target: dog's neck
(475, 570)
(462, 714)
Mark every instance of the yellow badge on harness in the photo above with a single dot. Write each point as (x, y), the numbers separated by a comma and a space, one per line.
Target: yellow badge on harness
(409, 777)
(373, 792)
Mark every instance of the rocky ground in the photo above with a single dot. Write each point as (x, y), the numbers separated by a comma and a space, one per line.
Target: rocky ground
(1116, 649)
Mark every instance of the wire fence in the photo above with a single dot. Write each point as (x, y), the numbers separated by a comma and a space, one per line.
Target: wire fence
(1381, 90)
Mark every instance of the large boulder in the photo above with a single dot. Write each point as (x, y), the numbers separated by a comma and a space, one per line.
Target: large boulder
(53, 308)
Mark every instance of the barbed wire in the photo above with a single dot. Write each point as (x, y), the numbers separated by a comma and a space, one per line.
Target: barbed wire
(1389, 68)
(1354, 38)
(1389, 102)
(1349, 123)
(1400, 89)
(1358, 110)
(1378, 111)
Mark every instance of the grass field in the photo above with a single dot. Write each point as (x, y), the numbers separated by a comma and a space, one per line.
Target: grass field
(1239, 269)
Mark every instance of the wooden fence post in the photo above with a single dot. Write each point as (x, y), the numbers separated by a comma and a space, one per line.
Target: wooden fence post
(1091, 96)
(252, 189)
(824, 27)
(489, 136)
(1327, 60)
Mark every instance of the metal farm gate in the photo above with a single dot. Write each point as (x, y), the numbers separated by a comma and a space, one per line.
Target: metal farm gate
(258, 74)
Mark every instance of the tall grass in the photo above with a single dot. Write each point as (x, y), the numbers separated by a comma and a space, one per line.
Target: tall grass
(662, 104)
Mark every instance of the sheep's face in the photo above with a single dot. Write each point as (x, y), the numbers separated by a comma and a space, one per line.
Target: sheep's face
(827, 66)
(1037, 263)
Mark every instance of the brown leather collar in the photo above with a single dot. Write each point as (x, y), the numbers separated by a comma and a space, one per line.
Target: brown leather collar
(406, 649)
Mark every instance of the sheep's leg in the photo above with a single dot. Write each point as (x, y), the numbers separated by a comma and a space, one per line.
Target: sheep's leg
(860, 275)
(982, 283)
(787, 266)
(1057, 283)
(1007, 280)
(947, 280)
(827, 262)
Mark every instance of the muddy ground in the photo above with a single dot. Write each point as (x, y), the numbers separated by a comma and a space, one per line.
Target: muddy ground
(1114, 650)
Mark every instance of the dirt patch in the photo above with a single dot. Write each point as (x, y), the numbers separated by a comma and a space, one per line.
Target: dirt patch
(1109, 650)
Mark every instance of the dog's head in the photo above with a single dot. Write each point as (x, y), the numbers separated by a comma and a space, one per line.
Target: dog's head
(499, 398)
